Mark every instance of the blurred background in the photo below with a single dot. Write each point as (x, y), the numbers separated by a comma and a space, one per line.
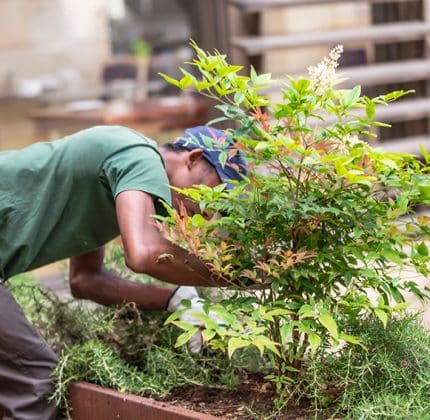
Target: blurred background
(70, 64)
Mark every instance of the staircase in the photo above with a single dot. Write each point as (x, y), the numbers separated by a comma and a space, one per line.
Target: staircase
(251, 46)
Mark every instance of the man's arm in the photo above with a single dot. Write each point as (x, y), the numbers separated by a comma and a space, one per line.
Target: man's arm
(146, 251)
(90, 280)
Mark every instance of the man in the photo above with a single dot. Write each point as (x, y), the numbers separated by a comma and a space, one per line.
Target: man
(66, 199)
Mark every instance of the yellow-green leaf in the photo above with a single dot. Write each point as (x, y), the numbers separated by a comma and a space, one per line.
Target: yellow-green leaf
(286, 332)
(208, 334)
(262, 145)
(236, 343)
(314, 341)
(262, 342)
(170, 80)
(184, 337)
(330, 324)
(198, 220)
(382, 315)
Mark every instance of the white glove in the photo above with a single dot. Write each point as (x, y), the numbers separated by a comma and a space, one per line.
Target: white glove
(175, 303)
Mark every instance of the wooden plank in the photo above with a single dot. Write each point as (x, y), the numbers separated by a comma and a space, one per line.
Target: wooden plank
(403, 110)
(255, 6)
(92, 402)
(406, 145)
(406, 110)
(378, 74)
(391, 32)
(381, 73)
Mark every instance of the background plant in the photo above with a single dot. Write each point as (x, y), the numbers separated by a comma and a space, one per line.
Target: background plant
(321, 219)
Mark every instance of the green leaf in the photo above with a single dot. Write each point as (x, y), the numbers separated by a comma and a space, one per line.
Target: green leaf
(170, 80)
(263, 79)
(382, 315)
(219, 188)
(202, 86)
(422, 249)
(262, 342)
(209, 323)
(175, 315)
(401, 306)
(330, 324)
(314, 341)
(186, 81)
(370, 110)
(236, 343)
(286, 332)
(353, 96)
(183, 325)
(262, 145)
(185, 337)
(208, 334)
(307, 311)
(350, 339)
(276, 312)
(239, 97)
(253, 74)
(225, 315)
(425, 154)
(198, 220)
(392, 255)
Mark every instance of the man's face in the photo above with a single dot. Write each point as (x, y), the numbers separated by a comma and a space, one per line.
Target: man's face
(195, 170)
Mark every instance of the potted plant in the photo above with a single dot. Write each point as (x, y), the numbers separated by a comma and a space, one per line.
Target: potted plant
(142, 54)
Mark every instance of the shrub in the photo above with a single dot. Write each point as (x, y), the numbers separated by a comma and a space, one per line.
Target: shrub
(321, 218)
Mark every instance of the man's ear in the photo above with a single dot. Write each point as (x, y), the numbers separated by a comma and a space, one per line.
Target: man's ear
(194, 156)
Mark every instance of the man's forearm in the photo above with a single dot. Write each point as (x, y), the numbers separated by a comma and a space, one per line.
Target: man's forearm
(174, 264)
(107, 288)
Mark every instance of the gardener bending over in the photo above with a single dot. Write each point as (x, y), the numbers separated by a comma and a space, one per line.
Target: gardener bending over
(66, 199)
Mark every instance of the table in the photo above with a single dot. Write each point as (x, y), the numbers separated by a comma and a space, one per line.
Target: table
(151, 116)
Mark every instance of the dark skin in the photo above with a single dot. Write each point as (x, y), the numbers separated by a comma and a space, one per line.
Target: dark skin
(143, 244)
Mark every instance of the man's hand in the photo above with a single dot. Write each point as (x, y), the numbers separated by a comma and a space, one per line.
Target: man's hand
(175, 303)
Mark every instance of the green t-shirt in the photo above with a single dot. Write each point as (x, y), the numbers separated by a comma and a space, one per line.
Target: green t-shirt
(57, 199)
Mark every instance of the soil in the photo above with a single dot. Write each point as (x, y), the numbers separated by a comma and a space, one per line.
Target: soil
(252, 399)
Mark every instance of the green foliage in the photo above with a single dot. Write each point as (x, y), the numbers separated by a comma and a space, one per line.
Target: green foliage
(389, 380)
(321, 219)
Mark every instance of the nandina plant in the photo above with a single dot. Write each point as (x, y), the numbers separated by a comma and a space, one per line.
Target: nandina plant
(321, 219)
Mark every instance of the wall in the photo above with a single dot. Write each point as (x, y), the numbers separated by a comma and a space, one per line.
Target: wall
(40, 37)
(314, 18)
(67, 40)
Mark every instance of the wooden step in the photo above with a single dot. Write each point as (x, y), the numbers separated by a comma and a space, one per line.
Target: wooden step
(406, 145)
(254, 6)
(383, 73)
(377, 74)
(402, 110)
(391, 32)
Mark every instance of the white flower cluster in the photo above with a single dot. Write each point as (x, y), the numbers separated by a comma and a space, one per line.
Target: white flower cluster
(352, 140)
(323, 75)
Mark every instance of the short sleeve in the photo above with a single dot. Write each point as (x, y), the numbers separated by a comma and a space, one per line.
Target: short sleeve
(139, 168)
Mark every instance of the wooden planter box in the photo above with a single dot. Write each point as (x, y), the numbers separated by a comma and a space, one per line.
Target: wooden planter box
(93, 402)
